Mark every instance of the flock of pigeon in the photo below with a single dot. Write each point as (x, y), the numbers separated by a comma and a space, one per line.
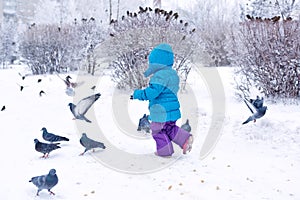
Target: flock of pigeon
(79, 110)
(52, 141)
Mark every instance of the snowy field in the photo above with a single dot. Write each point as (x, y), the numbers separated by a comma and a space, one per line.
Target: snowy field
(253, 161)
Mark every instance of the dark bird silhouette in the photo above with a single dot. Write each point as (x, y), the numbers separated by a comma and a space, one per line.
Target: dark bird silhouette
(94, 87)
(50, 137)
(21, 87)
(41, 93)
(46, 182)
(89, 143)
(45, 148)
(259, 112)
(23, 77)
(71, 84)
(39, 80)
(83, 106)
(144, 124)
(186, 126)
(3, 108)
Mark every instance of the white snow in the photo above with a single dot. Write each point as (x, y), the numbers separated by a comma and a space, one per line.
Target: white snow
(253, 161)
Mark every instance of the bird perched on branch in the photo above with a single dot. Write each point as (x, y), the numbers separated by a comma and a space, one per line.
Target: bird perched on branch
(45, 182)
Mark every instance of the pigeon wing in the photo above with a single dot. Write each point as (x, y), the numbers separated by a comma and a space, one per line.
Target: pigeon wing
(39, 181)
(84, 104)
(248, 105)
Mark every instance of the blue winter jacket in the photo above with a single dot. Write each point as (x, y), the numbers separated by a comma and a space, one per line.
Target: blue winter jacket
(163, 86)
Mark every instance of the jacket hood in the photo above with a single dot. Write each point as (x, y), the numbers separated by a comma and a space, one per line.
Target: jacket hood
(160, 57)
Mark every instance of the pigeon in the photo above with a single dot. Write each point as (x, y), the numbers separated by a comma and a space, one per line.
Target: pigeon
(3, 108)
(83, 106)
(45, 148)
(260, 110)
(41, 93)
(39, 80)
(186, 126)
(93, 88)
(50, 137)
(23, 77)
(257, 103)
(89, 143)
(144, 124)
(71, 84)
(47, 181)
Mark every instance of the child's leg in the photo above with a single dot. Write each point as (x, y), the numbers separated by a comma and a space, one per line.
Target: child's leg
(163, 144)
(176, 134)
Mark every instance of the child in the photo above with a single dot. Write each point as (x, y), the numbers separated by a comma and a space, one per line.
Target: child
(163, 102)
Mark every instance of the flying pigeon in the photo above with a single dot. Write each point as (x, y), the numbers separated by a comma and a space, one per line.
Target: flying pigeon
(23, 77)
(94, 87)
(186, 126)
(257, 103)
(50, 137)
(3, 108)
(260, 110)
(41, 93)
(144, 124)
(71, 84)
(83, 106)
(89, 143)
(45, 148)
(46, 182)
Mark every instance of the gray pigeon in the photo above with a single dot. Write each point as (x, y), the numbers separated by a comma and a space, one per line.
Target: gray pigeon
(45, 148)
(50, 137)
(83, 106)
(46, 182)
(186, 126)
(259, 112)
(89, 143)
(144, 124)
(258, 102)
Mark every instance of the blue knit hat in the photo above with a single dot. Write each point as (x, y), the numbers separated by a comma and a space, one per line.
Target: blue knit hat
(160, 56)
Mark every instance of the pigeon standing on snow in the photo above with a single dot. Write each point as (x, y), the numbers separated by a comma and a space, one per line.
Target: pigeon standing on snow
(83, 106)
(3, 108)
(186, 126)
(50, 137)
(144, 124)
(89, 143)
(45, 148)
(260, 110)
(46, 182)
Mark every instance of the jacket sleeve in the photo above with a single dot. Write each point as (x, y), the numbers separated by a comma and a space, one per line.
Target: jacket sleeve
(150, 93)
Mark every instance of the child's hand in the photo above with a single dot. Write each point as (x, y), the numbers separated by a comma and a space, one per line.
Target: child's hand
(131, 97)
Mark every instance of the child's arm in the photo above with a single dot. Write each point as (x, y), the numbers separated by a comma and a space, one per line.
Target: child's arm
(150, 93)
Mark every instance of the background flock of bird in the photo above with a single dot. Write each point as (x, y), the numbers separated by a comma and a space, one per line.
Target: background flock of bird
(52, 141)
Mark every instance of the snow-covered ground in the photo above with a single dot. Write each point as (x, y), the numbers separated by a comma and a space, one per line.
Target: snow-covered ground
(253, 161)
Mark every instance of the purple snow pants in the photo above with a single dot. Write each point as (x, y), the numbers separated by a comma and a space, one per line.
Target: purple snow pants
(164, 133)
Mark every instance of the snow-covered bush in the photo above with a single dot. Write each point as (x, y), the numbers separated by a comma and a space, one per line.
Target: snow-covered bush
(134, 35)
(53, 48)
(213, 21)
(268, 56)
